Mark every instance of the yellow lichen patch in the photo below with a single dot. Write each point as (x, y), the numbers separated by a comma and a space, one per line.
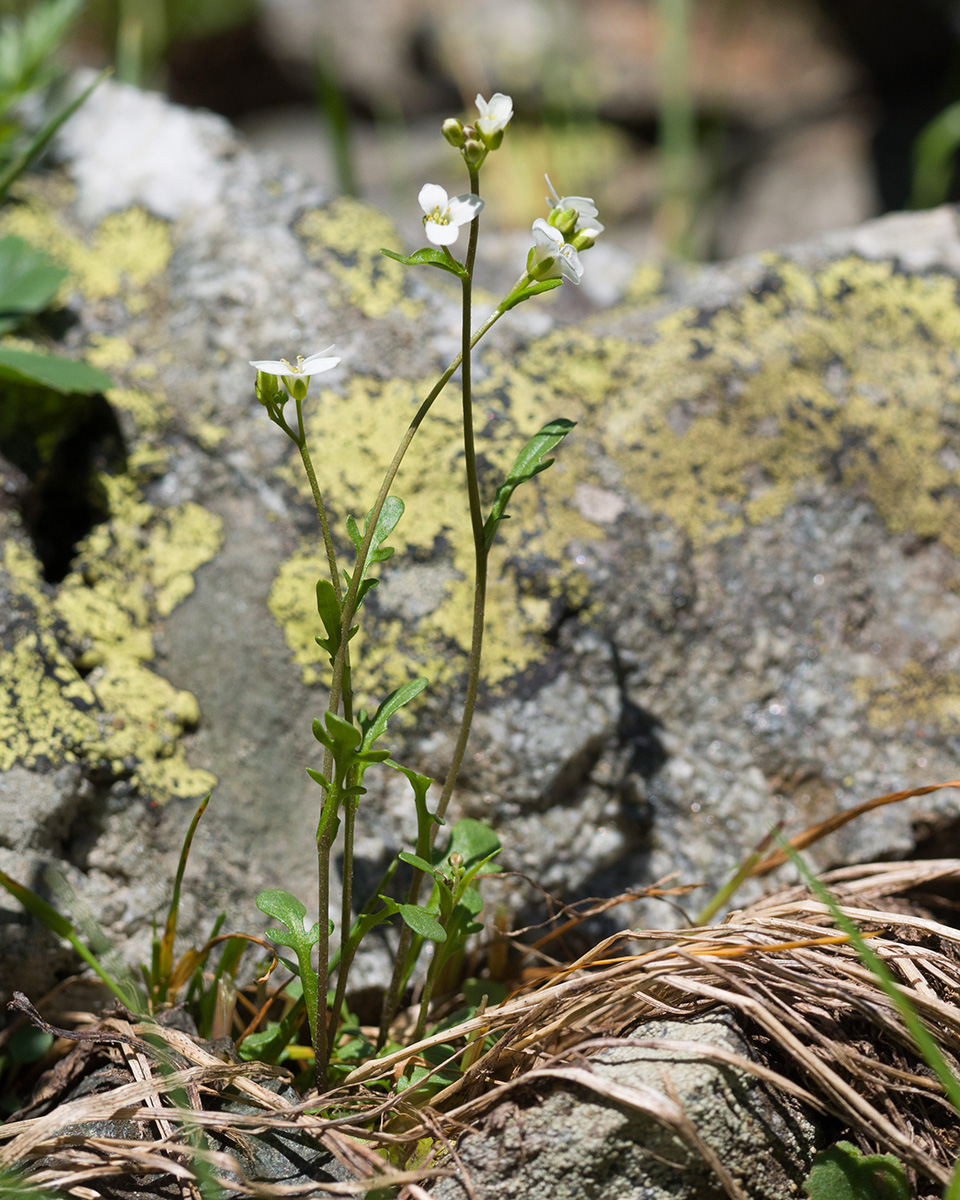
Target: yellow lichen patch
(46, 710)
(108, 353)
(122, 717)
(847, 374)
(208, 433)
(345, 237)
(914, 695)
(128, 250)
(430, 635)
(149, 411)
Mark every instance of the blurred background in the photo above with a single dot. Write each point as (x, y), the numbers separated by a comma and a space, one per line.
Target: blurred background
(703, 128)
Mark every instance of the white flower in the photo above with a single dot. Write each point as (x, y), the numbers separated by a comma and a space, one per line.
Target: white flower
(314, 365)
(444, 216)
(585, 208)
(495, 113)
(549, 244)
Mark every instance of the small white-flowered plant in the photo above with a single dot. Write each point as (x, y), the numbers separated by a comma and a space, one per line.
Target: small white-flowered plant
(495, 113)
(549, 245)
(444, 215)
(584, 207)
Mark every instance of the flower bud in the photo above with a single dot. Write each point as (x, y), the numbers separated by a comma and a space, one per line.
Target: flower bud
(474, 152)
(453, 131)
(564, 219)
(583, 240)
(268, 389)
(456, 860)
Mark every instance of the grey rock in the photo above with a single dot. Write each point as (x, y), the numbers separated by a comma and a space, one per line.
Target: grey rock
(735, 599)
(567, 1142)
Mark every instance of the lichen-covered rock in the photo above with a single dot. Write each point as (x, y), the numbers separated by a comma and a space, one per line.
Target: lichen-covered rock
(568, 1141)
(734, 600)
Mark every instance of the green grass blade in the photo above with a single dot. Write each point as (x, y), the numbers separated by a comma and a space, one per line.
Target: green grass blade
(43, 137)
(922, 1037)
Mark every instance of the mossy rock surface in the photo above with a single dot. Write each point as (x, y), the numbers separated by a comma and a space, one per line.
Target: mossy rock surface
(735, 599)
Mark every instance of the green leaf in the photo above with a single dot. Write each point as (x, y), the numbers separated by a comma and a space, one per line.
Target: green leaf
(61, 374)
(282, 906)
(393, 703)
(473, 840)
(428, 257)
(28, 280)
(320, 778)
(390, 514)
(414, 861)
(843, 1173)
(529, 462)
(532, 289)
(329, 609)
(422, 923)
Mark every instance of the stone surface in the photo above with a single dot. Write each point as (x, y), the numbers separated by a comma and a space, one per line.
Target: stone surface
(568, 1142)
(734, 600)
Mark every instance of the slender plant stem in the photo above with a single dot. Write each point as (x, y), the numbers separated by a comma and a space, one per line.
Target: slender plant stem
(301, 441)
(481, 553)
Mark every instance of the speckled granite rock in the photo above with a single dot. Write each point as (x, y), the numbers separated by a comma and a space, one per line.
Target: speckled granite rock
(735, 599)
(567, 1141)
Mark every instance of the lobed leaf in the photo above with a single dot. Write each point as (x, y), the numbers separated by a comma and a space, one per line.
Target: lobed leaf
(529, 462)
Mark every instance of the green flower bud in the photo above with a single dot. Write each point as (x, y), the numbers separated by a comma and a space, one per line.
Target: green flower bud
(474, 152)
(564, 219)
(583, 240)
(268, 389)
(453, 131)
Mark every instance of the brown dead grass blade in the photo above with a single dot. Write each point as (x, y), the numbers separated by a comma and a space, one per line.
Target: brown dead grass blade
(822, 829)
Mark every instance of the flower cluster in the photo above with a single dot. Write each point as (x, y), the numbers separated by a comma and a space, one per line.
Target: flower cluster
(572, 226)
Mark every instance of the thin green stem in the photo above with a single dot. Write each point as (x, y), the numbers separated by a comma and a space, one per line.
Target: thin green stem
(350, 600)
(301, 441)
(325, 829)
(481, 552)
(346, 912)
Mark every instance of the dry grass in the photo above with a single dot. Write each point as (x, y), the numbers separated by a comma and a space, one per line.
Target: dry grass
(831, 1038)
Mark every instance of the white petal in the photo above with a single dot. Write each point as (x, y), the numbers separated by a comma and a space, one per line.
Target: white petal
(570, 265)
(583, 204)
(271, 366)
(441, 235)
(317, 363)
(546, 236)
(432, 196)
(482, 105)
(462, 209)
(590, 225)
